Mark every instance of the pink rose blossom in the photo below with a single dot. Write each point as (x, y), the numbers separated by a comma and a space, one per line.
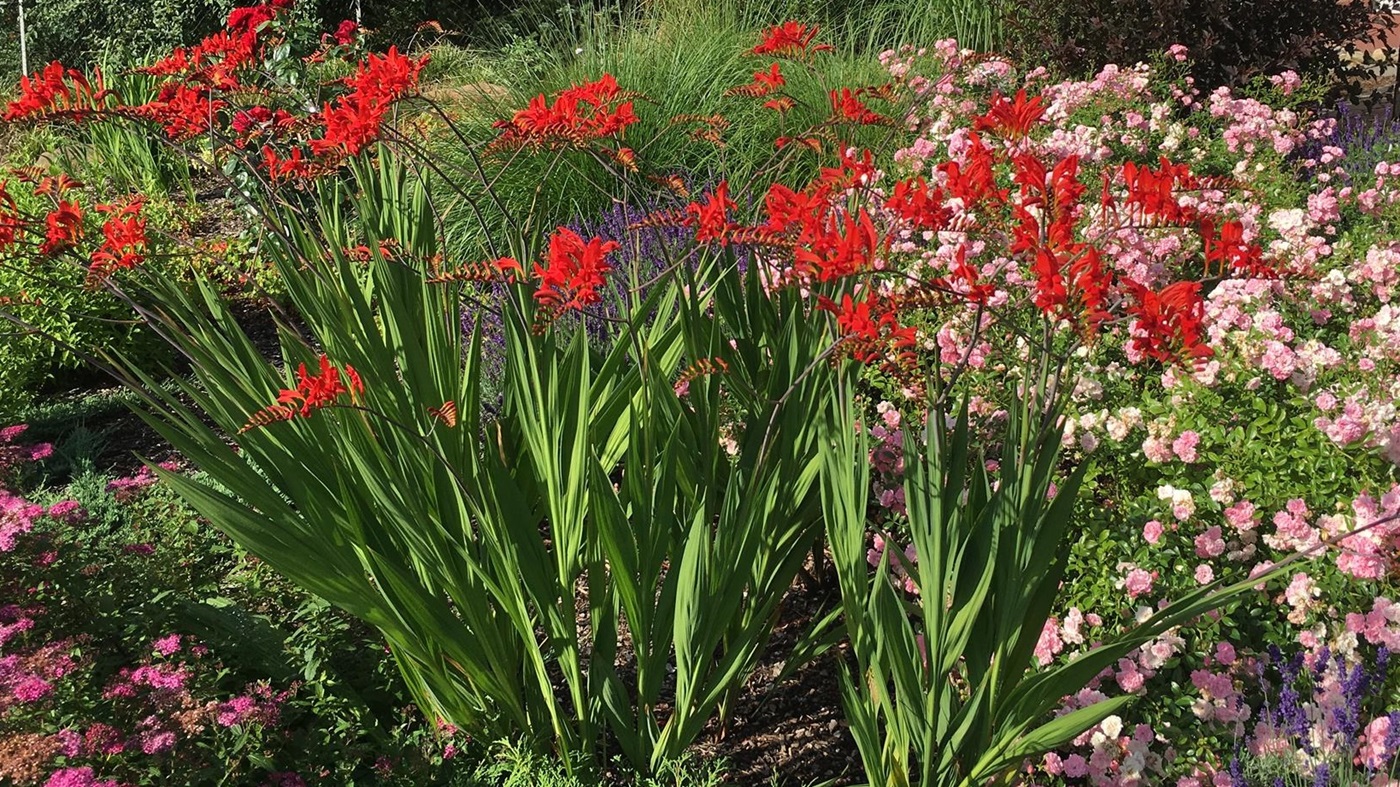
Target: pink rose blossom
(1152, 531)
(1138, 582)
(1185, 446)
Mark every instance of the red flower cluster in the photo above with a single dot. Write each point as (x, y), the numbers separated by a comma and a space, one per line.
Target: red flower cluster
(976, 180)
(1228, 251)
(711, 219)
(790, 39)
(846, 107)
(255, 122)
(53, 92)
(346, 33)
(1071, 281)
(764, 83)
(11, 225)
(184, 111)
(1152, 193)
(63, 227)
(1012, 119)
(123, 239)
(217, 59)
(575, 117)
(573, 271)
(843, 245)
(869, 329)
(354, 120)
(313, 392)
(1167, 325)
(294, 166)
(921, 206)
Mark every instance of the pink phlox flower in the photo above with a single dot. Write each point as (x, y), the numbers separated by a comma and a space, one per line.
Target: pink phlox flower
(76, 777)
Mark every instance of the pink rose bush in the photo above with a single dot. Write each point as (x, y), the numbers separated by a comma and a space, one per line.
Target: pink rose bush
(1284, 438)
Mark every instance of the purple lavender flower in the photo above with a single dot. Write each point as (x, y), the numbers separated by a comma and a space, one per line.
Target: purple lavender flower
(1392, 735)
(1324, 657)
(1356, 684)
(644, 257)
(1366, 137)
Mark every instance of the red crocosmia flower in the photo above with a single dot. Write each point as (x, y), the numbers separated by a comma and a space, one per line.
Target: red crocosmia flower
(1152, 192)
(320, 390)
(968, 281)
(1072, 283)
(853, 171)
(123, 239)
(573, 272)
(1167, 325)
(1012, 119)
(577, 116)
(56, 91)
(1050, 293)
(292, 167)
(780, 104)
(976, 180)
(764, 83)
(353, 122)
(846, 107)
(256, 121)
(1092, 281)
(184, 111)
(1230, 253)
(351, 126)
(846, 246)
(63, 227)
(711, 218)
(388, 77)
(786, 208)
(790, 39)
(11, 225)
(770, 80)
(216, 60)
(313, 392)
(869, 329)
(919, 205)
(249, 18)
(1065, 193)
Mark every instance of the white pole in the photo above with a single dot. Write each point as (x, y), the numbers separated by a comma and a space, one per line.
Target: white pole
(357, 13)
(23, 50)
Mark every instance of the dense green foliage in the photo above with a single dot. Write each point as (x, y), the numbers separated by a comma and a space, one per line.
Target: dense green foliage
(1230, 42)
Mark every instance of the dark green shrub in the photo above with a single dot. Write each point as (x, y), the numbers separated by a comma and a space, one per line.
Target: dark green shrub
(1231, 41)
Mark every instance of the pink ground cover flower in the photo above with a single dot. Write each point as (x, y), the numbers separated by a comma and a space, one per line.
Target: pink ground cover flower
(77, 777)
(167, 645)
(32, 689)
(156, 741)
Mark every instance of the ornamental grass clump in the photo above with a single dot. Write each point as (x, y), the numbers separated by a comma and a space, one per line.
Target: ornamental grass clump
(593, 562)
